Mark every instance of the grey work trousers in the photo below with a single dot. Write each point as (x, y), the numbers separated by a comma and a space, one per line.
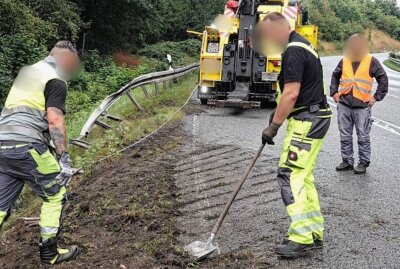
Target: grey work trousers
(361, 119)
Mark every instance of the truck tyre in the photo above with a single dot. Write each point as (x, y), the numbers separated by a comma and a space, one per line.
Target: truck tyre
(204, 101)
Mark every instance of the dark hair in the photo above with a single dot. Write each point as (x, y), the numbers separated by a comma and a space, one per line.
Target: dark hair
(274, 17)
(66, 45)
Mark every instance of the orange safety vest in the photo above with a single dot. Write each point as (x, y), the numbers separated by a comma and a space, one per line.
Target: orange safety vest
(360, 83)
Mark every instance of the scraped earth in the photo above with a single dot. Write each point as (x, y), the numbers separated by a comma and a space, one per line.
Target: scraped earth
(129, 213)
(139, 210)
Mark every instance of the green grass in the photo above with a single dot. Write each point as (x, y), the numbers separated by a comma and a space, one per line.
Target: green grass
(392, 65)
(136, 124)
(156, 110)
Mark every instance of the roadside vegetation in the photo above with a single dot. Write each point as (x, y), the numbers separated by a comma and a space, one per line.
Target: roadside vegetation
(392, 65)
(338, 19)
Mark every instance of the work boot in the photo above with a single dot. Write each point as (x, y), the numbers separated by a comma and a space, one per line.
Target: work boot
(361, 168)
(290, 249)
(344, 166)
(51, 254)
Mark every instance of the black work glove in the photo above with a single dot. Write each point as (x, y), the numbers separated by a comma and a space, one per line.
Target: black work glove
(269, 134)
(66, 173)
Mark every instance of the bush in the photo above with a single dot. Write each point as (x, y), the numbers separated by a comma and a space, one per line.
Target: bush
(17, 50)
(183, 53)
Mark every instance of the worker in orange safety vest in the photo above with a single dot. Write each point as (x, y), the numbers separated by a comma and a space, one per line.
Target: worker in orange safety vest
(352, 90)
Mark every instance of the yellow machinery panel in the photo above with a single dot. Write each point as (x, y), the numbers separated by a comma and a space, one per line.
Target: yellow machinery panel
(310, 32)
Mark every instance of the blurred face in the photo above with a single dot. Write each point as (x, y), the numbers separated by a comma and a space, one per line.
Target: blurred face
(68, 64)
(356, 48)
(275, 33)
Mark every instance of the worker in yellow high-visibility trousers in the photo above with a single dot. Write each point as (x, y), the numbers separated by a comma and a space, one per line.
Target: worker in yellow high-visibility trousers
(352, 89)
(32, 118)
(302, 102)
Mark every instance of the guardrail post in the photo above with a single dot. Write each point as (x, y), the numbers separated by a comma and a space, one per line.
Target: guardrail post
(146, 93)
(156, 88)
(130, 96)
(103, 125)
(164, 85)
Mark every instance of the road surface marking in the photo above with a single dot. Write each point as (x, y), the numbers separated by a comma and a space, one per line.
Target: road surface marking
(387, 126)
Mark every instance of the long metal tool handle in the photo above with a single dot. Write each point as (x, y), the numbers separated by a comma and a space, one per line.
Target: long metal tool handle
(238, 188)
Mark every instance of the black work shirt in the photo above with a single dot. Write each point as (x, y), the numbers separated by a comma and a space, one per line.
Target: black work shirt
(376, 71)
(300, 65)
(55, 94)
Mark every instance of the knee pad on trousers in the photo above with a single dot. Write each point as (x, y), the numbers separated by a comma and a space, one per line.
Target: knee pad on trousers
(284, 183)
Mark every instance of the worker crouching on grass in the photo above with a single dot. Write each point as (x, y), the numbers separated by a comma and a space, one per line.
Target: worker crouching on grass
(303, 104)
(32, 117)
(351, 88)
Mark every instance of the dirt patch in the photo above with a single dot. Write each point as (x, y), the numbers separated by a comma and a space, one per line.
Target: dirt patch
(124, 215)
(380, 41)
(127, 59)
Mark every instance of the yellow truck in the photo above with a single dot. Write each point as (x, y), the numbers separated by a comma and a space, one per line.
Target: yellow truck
(232, 74)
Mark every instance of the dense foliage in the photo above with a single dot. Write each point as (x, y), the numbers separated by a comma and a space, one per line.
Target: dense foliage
(151, 28)
(28, 28)
(338, 19)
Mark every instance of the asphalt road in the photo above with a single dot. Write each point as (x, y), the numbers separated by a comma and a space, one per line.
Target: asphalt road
(362, 212)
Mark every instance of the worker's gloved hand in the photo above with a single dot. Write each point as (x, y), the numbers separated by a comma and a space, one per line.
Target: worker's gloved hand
(269, 134)
(66, 173)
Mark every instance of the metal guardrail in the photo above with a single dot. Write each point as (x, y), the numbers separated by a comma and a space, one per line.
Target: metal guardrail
(140, 82)
(394, 60)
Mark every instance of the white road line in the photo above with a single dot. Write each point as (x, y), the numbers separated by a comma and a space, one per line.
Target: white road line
(387, 126)
(392, 95)
(196, 170)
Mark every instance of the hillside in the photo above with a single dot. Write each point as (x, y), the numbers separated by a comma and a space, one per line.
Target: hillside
(379, 42)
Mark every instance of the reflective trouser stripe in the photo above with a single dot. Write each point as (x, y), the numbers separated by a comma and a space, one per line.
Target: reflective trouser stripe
(306, 229)
(305, 216)
(51, 214)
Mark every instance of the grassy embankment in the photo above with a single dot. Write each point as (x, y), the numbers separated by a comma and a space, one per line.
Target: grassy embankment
(378, 40)
(156, 110)
(392, 65)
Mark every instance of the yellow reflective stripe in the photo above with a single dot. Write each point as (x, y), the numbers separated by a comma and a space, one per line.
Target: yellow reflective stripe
(306, 216)
(306, 229)
(304, 46)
